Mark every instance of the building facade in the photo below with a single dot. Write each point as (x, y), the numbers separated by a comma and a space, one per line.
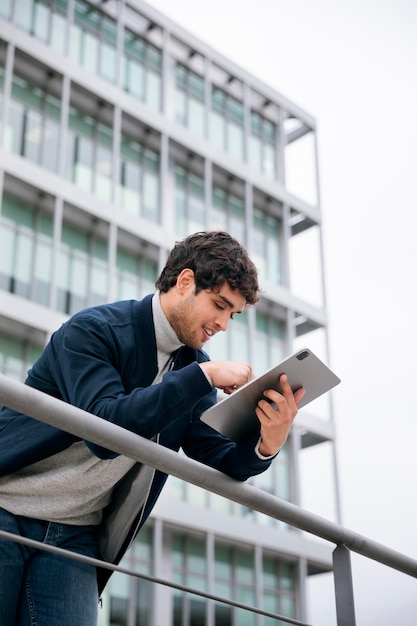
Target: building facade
(120, 133)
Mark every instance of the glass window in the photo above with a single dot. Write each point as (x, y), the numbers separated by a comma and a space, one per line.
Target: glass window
(277, 479)
(108, 51)
(278, 588)
(226, 123)
(16, 356)
(281, 475)
(228, 213)
(234, 343)
(80, 161)
(58, 26)
(103, 162)
(142, 68)
(255, 153)
(93, 41)
(89, 154)
(82, 270)
(41, 22)
(261, 353)
(119, 599)
(6, 8)
(33, 123)
(189, 201)
(135, 275)
(181, 107)
(217, 130)
(239, 338)
(26, 236)
(98, 271)
(268, 342)
(196, 117)
(141, 555)
(153, 90)
(235, 141)
(234, 579)
(44, 19)
(189, 568)
(262, 150)
(24, 14)
(138, 186)
(218, 212)
(266, 245)
(127, 596)
(190, 100)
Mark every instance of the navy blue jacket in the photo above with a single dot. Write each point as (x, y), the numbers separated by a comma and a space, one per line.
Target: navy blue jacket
(104, 360)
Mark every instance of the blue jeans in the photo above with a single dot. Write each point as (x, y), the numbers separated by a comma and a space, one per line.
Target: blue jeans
(39, 588)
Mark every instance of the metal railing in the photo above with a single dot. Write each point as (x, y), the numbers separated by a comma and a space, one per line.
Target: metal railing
(92, 428)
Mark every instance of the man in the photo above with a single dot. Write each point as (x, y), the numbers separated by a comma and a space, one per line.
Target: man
(139, 364)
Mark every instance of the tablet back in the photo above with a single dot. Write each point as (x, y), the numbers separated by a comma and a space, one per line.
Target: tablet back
(235, 417)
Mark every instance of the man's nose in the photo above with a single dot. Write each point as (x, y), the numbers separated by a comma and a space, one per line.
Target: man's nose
(222, 321)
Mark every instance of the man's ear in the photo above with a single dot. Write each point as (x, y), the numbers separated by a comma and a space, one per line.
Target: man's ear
(185, 279)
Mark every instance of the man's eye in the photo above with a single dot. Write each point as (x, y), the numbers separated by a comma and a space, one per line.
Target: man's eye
(220, 307)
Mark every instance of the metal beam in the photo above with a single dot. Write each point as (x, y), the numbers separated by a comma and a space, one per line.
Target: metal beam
(92, 428)
(343, 584)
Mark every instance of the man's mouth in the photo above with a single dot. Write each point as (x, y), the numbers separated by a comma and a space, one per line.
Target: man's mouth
(209, 333)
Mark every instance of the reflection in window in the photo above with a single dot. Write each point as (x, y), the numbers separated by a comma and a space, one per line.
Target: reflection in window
(93, 40)
(33, 123)
(16, 356)
(228, 213)
(188, 556)
(138, 187)
(82, 270)
(262, 152)
(266, 245)
(189, 202)
(89, 156)
(142, 67)
(135, 275)
(226, 123)
(26, 250)
(190, 100)
(43, 19)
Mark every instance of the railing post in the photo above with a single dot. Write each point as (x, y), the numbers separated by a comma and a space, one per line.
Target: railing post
(342, 573)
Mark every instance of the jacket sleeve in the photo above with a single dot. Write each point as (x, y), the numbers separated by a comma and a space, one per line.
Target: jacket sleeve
(238, 460)
(86, 371)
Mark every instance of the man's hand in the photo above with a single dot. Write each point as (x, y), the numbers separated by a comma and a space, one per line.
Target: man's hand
(276, 420)
(228, 375)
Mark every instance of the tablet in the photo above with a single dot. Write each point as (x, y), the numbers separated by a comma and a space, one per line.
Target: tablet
(235, 417)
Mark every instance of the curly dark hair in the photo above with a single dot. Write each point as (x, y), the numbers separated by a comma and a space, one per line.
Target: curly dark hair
(215, 258)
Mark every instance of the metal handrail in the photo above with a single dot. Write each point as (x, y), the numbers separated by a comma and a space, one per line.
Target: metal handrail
(92, 428)
(39, 545)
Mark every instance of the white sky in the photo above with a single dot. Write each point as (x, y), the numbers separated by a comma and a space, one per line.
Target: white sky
(353, 65)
